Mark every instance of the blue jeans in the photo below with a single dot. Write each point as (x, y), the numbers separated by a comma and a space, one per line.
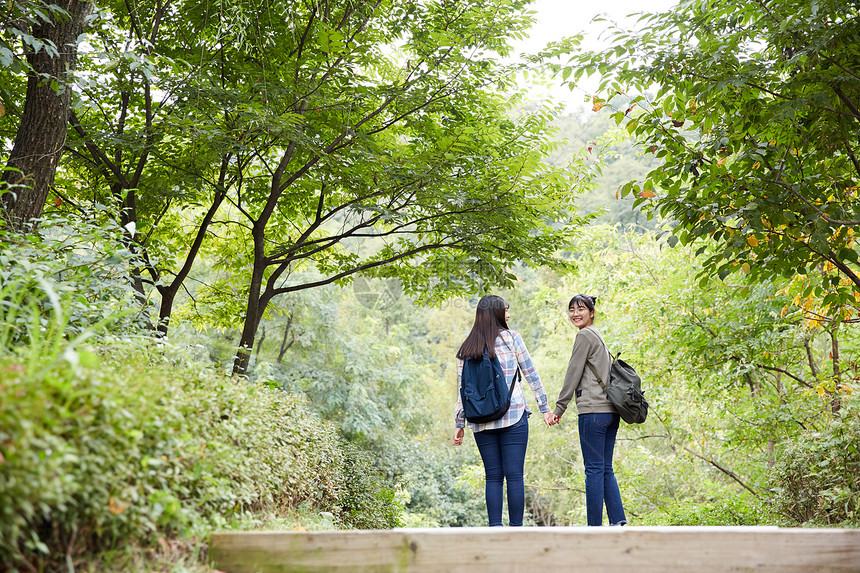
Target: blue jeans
(504, 454)
(597, 438)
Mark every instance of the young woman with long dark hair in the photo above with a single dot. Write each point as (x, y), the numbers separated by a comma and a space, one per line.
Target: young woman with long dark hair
(598, 420)
(502, 443)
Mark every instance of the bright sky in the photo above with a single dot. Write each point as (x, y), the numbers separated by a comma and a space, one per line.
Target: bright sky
(557, 19)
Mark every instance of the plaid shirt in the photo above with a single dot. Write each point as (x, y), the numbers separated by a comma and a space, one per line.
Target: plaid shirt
(511, 351)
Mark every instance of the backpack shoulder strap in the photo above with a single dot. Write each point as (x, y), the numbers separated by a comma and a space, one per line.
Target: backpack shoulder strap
(596, 375)
(514, 383)
(612, 357)
(591, 366)
(502, 334)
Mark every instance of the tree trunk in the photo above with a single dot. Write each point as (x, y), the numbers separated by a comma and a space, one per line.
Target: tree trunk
(809, 358)
(168, 292)
(260, 342)
(168, 296)
(42, 133)
(256, 306)
(836, 397)
(284, 345)
(249, 333)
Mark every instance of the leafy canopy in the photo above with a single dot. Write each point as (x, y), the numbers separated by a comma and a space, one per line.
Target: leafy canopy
(755, 118)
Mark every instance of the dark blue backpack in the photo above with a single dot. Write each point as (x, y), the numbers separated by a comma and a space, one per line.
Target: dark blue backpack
(483, 389)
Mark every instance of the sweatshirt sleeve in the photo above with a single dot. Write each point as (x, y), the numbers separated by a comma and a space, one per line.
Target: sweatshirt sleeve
(573, 376)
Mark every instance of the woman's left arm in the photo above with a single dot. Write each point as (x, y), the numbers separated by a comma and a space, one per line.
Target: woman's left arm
(530, 373)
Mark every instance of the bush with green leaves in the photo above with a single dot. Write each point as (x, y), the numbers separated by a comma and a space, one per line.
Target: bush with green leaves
(431, 473)
(817, 479)
(132, 446)
(66, 277)
(725, 509)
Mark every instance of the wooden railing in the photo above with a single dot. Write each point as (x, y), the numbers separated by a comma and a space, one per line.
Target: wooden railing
(539, 549)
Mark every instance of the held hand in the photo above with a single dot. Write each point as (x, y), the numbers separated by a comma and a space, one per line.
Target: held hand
(550, 419)
(458, 436)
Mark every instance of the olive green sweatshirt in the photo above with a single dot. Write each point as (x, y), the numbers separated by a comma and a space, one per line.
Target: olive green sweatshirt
(580, 381)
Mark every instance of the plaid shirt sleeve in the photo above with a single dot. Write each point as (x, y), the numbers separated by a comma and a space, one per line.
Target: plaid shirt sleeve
(512, 352)
(530, 373)
(459, 414)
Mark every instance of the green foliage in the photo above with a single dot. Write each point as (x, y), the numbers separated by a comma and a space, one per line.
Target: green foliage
(611, 156)
(394, 121)
(367, 501)
(416, 145)
(65, 279)
(382, 393)
(121, 443)
(366, 387)
(16, 22)
(312, 157)
(87, 466)
(755, 120)
(731, 372)
(729, 509)
(431, 473)
(815, 481)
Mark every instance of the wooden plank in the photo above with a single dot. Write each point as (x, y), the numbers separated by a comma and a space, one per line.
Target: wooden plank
(591, 549)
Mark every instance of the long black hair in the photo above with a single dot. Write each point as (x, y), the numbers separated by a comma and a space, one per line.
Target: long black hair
(489, 321)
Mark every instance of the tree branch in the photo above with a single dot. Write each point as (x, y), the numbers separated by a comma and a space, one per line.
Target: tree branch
(360, 268)
(723, 469)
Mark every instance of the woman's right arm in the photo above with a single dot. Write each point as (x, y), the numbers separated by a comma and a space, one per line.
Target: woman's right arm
(459, 414)
(573, 376)
(458, 436)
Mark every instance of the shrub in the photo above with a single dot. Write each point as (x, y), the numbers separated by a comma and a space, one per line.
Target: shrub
(817, 479)
(133, 446)
(367, 502)
(65, 278)
(742, 509)
(430, 473)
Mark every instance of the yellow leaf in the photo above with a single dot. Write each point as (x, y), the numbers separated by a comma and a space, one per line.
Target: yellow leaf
(2, 110)
(745, 268)
(116, 506)
(647, 194)
(721, 162)
(752, 241)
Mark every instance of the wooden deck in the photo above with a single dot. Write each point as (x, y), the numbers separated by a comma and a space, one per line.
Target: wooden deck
(532, 549)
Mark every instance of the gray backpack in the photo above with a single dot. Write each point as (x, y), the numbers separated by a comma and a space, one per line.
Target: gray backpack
(624, 390)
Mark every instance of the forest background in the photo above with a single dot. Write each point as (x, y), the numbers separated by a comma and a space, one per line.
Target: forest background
(263, 228)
